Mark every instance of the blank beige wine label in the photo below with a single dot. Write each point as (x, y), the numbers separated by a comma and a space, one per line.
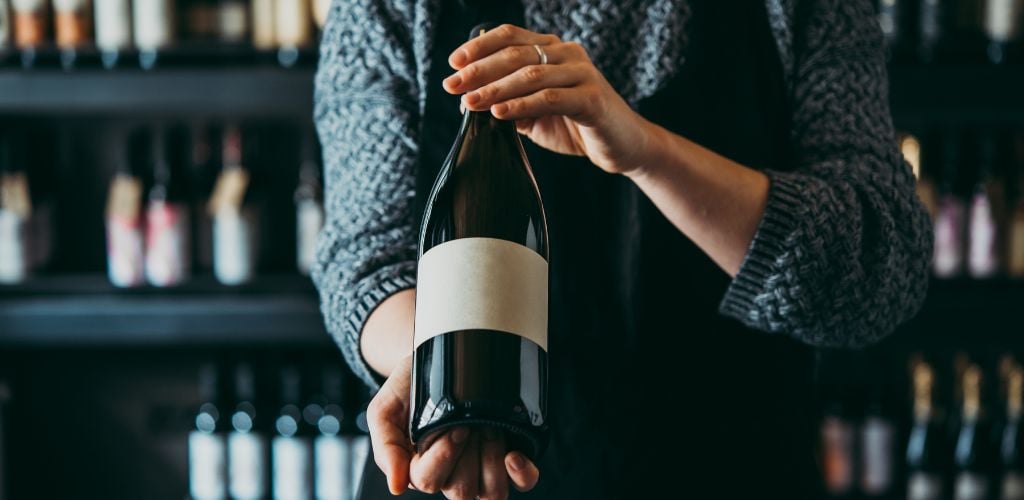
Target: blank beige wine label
(482, 284)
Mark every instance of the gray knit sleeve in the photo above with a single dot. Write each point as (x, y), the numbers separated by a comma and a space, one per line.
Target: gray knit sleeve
(366, 115)
(841, 255)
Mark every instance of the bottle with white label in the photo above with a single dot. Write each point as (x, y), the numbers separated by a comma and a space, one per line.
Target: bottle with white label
(877, 438)
(482, 293)
(234, 220)
(248, 445)
(332, 454)
(153, 22)
(232, 21)
(168, 247)
(1011, 451)
(293, 29)
(1001, 23)
(948, 258)
(973, 453)
(207, 449)
(113, 29)
(926, 449)
(125, 262)
(309, 208)
(15, 211)
(986, 202)
(292, 445)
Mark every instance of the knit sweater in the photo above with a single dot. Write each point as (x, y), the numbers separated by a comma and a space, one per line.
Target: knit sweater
(840, 257)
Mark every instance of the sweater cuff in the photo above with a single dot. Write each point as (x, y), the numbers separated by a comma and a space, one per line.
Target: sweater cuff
(781, 218)
(374, 290)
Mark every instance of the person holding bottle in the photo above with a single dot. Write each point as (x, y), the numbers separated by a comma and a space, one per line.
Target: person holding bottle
(724, 193)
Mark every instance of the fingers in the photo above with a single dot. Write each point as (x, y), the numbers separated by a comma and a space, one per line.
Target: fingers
(521, 471)
(507, 61)
(583, 103)
(525, 81)
(493, 477)
(430, 471)
(387, 417)
(503, 36)
(464, 483)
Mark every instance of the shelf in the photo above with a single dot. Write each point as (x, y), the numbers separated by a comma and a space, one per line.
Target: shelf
(85, 310)
(227, 91)
(927, 95)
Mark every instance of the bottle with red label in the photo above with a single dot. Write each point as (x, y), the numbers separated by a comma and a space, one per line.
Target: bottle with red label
(168, 252)
(124, 219)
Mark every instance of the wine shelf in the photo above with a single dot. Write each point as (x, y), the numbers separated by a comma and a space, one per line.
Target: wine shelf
(86, 311)
(262, 91)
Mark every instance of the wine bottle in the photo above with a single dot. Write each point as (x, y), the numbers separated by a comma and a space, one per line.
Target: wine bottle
(263, 12)
(292, 447)
(293, 29)
(31, 19)
(948, 261)
(889, 17)
(153, 21)
(15, 210)
(972, 454)
(481, 301)
(206, 444)
(125, 263)
(168, 248)
(837, 445)
(332, 453)
(1011, 451)
(910, 146)
(232, 21)
(1001, 24)
(983, 249)
(1015, 237)
(309, 207)
(877, 437)
(113, 30)
(234, 223)
(72, 28)
(925, 446)
(932, 29)
(248, 447)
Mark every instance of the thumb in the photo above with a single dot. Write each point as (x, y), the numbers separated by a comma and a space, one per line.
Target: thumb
(522, 471)
(387, 418)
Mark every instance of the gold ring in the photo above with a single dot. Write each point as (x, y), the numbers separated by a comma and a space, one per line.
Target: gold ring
(540, 52)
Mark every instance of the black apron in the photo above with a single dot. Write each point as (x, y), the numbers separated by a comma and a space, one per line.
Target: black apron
(635, 331)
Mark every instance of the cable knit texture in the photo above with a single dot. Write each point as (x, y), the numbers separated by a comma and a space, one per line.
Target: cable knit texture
(839, 259)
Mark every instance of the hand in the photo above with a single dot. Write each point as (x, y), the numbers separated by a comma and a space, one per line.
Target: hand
(565, 106)
(463, 463)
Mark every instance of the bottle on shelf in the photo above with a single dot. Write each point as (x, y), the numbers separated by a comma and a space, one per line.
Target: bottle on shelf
(926, 447)
(332, 453)
(293, 29)
(72, 28)
(482, 294)
(153, 24)
(910, 146)
(233, 218)
(207, 454)
(889, 18)
(838, 441)
(201, 20)
(877, 440)
(972, 454)
(168, 248)
(1015, 236)
(1001, 23)
(1011, 451)
(983, 248)
(15, 213)
(309, 207)
(113, 30)
(263, 12)
(232, 21)
(234, 221)
(248, 444)
(931, 28)
(292, 446)
(125, 264)
(31, 23)
(948, 261)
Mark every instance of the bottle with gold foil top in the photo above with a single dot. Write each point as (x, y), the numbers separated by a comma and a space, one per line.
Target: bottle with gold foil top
(972, 455)
(72, 28)
(926, 463)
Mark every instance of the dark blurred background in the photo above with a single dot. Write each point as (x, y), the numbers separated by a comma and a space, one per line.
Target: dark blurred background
(160, 193)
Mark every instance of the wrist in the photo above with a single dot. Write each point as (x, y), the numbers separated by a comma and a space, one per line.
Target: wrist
(650, 143)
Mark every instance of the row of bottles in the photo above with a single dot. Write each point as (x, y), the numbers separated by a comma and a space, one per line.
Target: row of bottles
(973, 186)
(177, 195)
(312, 442)
(963, 447)
(953, 30)
(108, 30)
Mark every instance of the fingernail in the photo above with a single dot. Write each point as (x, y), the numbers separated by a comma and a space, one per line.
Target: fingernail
(457, 59)
(453, 81)
(499, 109)
(459, 435)
(472, 97)
(517, 462)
